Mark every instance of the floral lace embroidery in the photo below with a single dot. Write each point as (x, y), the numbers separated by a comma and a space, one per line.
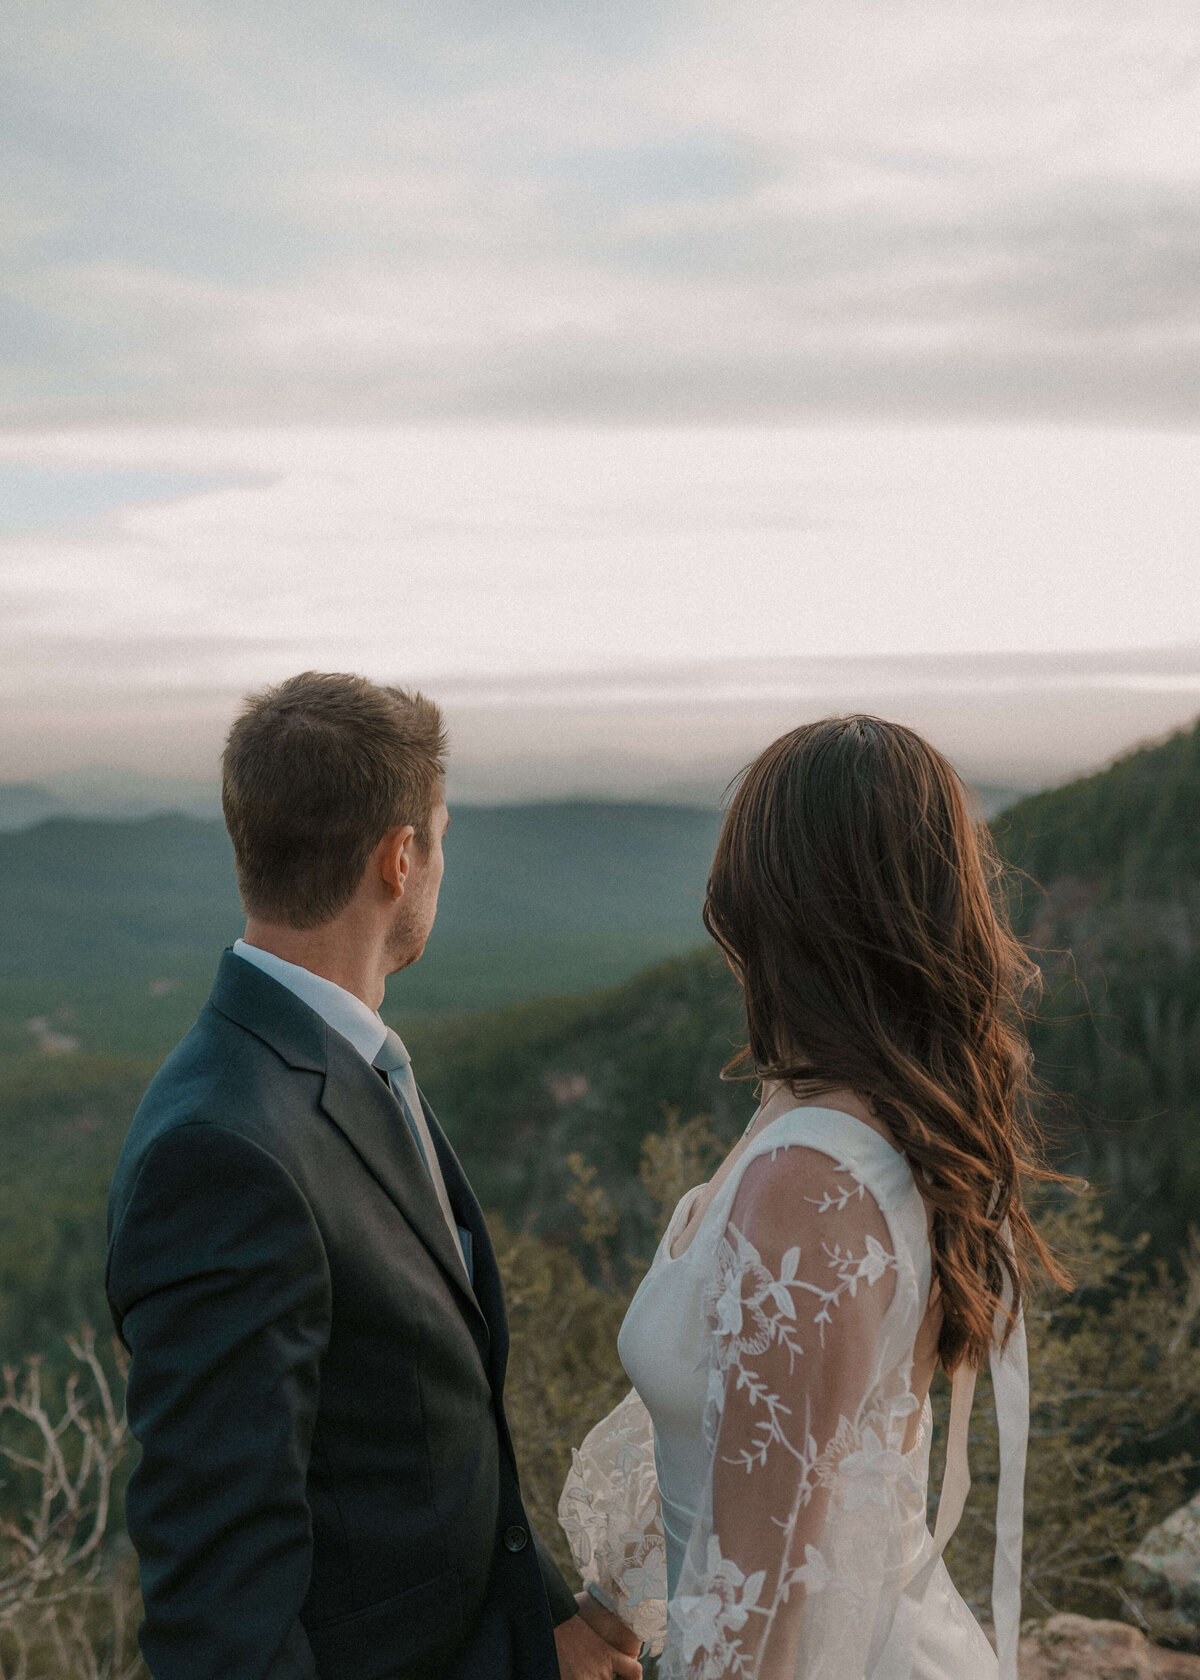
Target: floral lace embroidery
(609, 1512)
(705, 1620)
(749, 1311)
(768, 1328)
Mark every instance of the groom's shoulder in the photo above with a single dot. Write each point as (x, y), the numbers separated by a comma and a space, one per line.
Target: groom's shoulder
(219, 1070)
(227, 1077)
(215, 1150)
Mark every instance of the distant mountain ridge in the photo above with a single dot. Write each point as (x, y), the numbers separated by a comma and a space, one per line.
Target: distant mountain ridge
(124, 796)
(122, 922)
(23, 804)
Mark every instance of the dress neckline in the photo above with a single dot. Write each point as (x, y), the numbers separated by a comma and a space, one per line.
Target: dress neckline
(800, 1108)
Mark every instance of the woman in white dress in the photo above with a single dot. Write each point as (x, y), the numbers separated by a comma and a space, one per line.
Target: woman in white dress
(757, 1504)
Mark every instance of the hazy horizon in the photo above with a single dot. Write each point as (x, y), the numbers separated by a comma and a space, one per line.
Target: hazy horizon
(680, 732)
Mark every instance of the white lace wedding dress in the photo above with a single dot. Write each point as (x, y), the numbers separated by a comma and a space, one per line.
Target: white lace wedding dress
(757, 1503)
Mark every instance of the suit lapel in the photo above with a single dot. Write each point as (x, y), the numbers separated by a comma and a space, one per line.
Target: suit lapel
(252, 999)
(489, 1291)
(364, 1110)
(367, 1114)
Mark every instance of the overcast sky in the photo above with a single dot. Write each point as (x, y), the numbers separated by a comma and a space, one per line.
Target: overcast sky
(461, 342)
(619, 209)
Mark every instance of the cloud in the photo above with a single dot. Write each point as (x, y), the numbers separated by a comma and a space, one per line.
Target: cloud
(492, 551)
(666, 211)
(605, 609)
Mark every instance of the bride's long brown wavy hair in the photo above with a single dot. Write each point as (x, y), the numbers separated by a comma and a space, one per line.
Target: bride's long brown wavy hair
(860, 905)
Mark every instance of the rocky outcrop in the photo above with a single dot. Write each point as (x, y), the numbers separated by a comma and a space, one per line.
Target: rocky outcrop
(1075, 1648)
(1167, 1562)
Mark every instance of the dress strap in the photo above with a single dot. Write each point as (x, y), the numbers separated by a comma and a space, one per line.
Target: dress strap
(1010, 1386)
(1010, 1392)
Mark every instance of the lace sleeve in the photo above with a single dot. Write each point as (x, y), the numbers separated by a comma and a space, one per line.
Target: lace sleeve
(610, 1514)
(807, 1414)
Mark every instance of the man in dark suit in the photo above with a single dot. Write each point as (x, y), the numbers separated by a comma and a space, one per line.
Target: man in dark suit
(327, 1488)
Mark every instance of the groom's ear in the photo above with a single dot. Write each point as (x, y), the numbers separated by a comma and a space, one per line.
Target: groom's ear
(393, 858)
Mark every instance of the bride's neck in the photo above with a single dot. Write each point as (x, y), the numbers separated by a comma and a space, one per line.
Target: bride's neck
(778, 1098)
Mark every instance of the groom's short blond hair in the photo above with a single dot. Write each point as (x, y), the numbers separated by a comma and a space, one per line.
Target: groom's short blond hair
(315, 772)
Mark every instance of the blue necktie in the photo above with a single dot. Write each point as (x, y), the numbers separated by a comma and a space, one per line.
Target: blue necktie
(395, 1064)
(394, 1060)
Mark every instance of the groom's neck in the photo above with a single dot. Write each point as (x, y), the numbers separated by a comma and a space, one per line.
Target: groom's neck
(352, 956)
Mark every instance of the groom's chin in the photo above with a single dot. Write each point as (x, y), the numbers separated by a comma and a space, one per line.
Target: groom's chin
(404, 956)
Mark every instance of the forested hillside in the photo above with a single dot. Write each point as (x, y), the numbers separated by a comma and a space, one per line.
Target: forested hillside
(1131, 832)
(1116, 918)
(1106, 888)
(112, 929)
(521, 1089)
(1109, 902)
(62, 1119)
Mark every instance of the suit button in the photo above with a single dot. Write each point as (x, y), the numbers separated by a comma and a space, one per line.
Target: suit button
(516, 1538)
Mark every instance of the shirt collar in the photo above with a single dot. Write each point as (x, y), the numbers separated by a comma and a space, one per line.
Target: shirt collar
(345, 1013)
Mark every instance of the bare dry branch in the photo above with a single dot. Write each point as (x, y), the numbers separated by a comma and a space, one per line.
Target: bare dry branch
(66, 1610)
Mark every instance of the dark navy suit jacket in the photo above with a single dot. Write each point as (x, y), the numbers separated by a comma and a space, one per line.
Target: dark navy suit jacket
(327, 1488)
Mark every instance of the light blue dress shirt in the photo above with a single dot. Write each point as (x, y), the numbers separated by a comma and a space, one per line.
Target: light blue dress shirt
(340, 1009)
